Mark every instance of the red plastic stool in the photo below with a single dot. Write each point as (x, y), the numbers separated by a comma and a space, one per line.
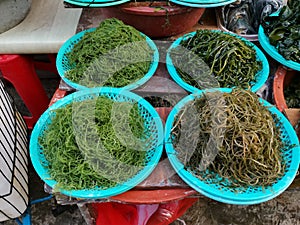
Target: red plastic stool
(50, 65)
(20, 72)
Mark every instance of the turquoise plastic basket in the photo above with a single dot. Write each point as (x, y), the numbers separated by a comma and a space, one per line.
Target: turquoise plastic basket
(152, 123)
(63, 64)
(202, 3)
(221, 192)
(93, 1)
(260, 79)
(96, 3)
(272, 51)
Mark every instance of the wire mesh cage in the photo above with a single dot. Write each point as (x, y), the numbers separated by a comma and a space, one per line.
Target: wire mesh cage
(14, 194)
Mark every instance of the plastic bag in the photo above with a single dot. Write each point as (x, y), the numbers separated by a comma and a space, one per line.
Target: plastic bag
(263, 9)
(245, 16)
(169, 212)
(115, 213)
(240, 19)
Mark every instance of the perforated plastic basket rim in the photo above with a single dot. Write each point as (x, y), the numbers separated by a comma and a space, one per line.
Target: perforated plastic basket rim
(64, 49)
(226, 196)
(93, 1)
(261, 76)
(272, 51)
(99, 4)
(206, 1)
(202, 5)
(93, 193)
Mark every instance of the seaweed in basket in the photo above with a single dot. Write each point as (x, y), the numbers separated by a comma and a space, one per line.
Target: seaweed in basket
(83, 149)
(283, 30)
(235, 139)
(114, 55)
(216, 59)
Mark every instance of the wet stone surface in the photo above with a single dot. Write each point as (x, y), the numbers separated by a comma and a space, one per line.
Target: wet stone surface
(283, 210)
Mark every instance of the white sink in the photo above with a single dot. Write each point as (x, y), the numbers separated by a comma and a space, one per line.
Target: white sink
(12, 12)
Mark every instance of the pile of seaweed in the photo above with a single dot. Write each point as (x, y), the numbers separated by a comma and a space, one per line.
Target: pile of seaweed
(114, 54)
(216, 59)
(233, 137)
(283, 30)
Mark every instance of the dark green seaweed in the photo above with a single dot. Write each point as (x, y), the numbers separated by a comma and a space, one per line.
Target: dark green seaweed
(283, 31)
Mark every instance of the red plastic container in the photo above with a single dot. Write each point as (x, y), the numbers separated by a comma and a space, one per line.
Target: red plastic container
(282, 79)
(156, 19)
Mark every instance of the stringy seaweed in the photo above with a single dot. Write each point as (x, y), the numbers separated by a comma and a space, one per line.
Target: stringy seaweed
(246, 141)
(75, 168)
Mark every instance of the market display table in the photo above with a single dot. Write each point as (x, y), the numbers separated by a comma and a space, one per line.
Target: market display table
(47, 26)
(163, 186)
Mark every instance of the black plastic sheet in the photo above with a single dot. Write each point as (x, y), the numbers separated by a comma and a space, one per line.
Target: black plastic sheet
(244, 17)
